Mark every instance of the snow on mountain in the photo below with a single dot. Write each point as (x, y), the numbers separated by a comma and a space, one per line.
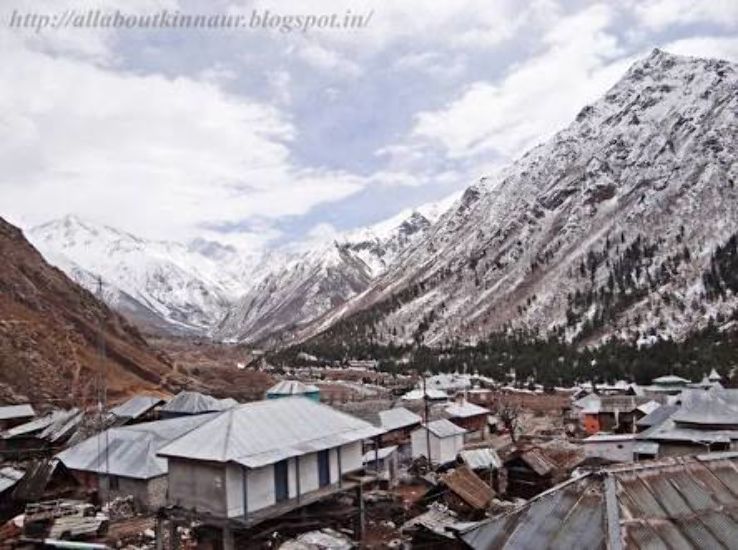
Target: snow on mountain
(298, 287)
(185, 287)
(609, 228)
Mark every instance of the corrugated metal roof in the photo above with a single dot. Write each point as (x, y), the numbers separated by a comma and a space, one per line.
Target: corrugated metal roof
(263, 432)
(538, 462)
(465, 410)
(192, 402)
(381, 454)
(686, 502)
(415, 395)
(9, 477)
(658, 416)
(136, 406)
(130, 451)
(443, 428)
(713, 412)
(468, 486)
(646, 448)
(291, 387)
(478, 459)
(649, 407)
(52, 427)
(399, 417)
(8, 412)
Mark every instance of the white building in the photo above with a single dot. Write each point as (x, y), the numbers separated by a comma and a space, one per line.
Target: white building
(444, 437)
(251, 458)
(614, 447)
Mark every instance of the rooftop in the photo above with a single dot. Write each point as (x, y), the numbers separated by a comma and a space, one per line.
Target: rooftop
(672, 503)
(465, 410)
(9, 412)
(130, 451)
(264, 432)
(291, 387)
(136, 406)
(443, 428)
(192, 402)
(398, 417)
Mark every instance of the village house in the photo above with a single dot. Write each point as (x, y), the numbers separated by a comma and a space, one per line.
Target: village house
(263, 459)
(442, 438)
(398, 424)
(41, 436)
(14, 415)
(610, 447)
(610, 413)
(529, 472)
(122, 461)
(469, 416)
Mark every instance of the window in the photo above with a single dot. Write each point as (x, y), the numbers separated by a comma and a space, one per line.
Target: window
(113, 483)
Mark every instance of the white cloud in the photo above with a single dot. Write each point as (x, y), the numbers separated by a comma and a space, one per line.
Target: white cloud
(660, 14)
(536, 98)
(705, 46)
(154, 155)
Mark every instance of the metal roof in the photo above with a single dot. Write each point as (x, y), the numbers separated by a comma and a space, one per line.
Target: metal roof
(136, 406)
(9, 412)
(264, 432)
(192, 402)
(399, 417)
(538, 462)
(685, 502)
(381, 454)
(670, 379)
(658, 416)
(713, 412)
(292, 387)
(465, 410)
(52, 427)
(416, 394)
(468, 486)
(646, 448)
(130, 451)
(478, 459)
(443, 428)
(648, 407)
(9, 477)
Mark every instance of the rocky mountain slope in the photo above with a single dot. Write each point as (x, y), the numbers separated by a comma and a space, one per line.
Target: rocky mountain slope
(175, 287)
(304, 285)
(612, 227)
(49, 334)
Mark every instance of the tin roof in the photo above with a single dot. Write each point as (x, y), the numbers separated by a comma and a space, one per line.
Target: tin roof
(685, 502)
(658, 416)
(52, 427)
(264, 432)
(416, 394)
(192, 402)
(713, 412)
(291, 387)
(399, 417)
(9, 412)
(130, 451)
(136, 406)
(9, 477)
(465, 410)
(468, 486)
(443, 428)
(538, 462)
(478, 459)
(381, 454)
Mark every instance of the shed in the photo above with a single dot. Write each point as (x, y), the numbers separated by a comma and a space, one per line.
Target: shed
(384, 462)
(398, 424)
(137, 408)
(445, 438)
(467, 486)
(469, 416)
(529, 473)
(612, 447)
(291, 388)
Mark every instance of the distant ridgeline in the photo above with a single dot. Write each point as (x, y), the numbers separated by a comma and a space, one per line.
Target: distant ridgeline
(550, 362)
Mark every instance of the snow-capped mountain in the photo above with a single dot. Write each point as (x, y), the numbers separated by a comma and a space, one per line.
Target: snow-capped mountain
(302, 285)
(609, 228)
(169, 285)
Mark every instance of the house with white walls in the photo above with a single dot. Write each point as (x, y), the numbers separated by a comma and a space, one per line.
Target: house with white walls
(441, 438)
(262, 459)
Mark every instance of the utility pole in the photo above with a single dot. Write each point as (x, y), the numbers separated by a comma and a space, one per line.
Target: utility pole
(102, 388)
(427, 415)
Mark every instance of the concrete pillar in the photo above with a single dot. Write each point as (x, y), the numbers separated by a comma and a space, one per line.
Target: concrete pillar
(159, 533)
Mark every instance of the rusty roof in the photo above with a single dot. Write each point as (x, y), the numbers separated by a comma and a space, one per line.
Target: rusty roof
(469, 487)
(679, 502)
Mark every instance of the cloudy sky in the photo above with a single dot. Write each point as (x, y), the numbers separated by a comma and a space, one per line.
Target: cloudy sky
(260, 136)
